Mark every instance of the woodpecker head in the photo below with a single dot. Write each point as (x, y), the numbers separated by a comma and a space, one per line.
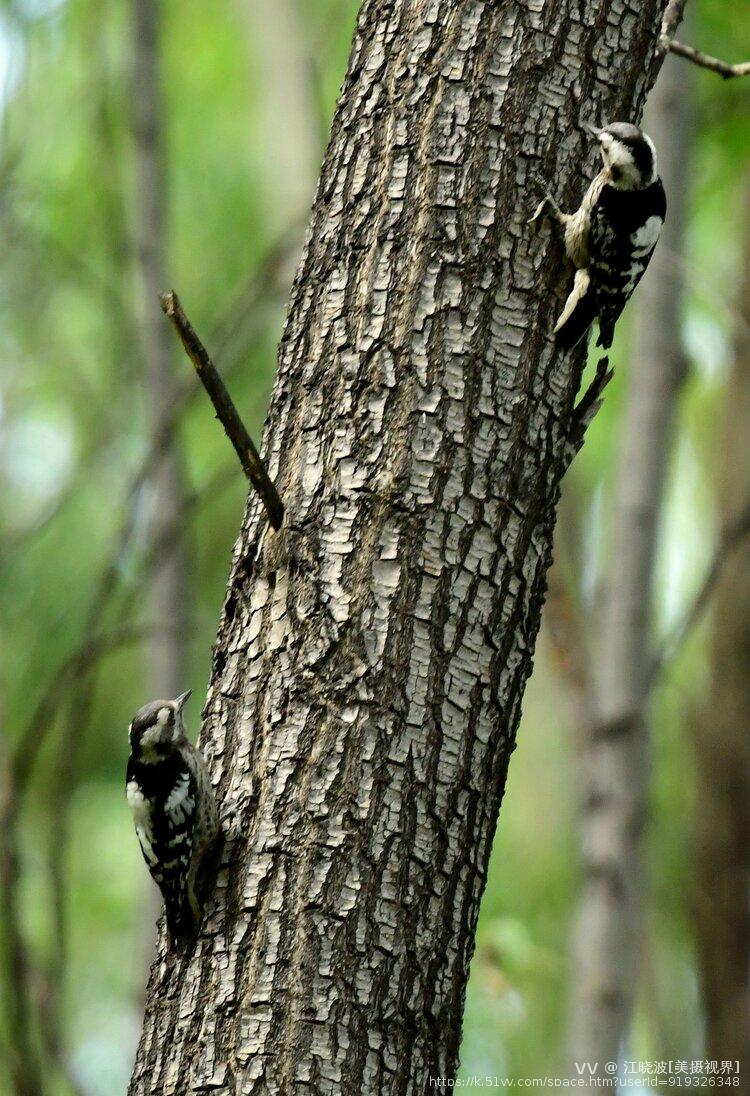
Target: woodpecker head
(628, 154)
(158, 727)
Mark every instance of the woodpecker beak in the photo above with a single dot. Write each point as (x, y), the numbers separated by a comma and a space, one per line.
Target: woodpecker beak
(595, 131)
(181, 700)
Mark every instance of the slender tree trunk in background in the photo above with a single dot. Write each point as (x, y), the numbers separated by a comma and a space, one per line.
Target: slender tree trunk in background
(169, 594)
(723, 744)
(371, 658)
(289, 130)
(21, 1066)
(615, 759)
(289, 134)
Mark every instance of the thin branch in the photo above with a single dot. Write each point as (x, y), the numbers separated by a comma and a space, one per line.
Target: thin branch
(670, 22)
(22, 976)
(730, 540)
(252, 465)
(264, 285)
(704, 60)
(266, 275)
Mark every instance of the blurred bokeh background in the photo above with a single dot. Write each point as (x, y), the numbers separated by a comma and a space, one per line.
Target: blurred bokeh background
(145, 146)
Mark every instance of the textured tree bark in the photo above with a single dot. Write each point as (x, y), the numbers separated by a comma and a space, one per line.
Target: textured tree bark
(615, 758)
(723, 745)
(371, 658)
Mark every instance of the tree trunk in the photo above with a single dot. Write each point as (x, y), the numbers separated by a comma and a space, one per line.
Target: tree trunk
(371, 658)
(615, 759)
(169, 598)
(723, 745)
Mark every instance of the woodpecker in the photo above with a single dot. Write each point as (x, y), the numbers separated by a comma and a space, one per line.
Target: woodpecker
(611, 237)
(174, 809)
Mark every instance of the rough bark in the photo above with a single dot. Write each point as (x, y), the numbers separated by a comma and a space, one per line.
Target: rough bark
(723, 745)
(615, 757)
(371, 657)
(170, 582)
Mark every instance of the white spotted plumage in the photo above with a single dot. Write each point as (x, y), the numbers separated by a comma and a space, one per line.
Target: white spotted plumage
(174, 810)
(180, 804)
(644, 239)
(610, 238)
(141, 811)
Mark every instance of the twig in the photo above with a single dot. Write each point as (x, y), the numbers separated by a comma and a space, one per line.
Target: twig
(264, 284)
(731, 539)
(670, 22)
(226, 412)
(704, 60)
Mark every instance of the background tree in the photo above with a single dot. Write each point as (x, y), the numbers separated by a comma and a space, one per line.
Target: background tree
(170, 586)
(615, 761)
(722, 750)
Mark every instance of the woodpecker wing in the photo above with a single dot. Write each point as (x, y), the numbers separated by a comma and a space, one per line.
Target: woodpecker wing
(625, 227)
(164, 798)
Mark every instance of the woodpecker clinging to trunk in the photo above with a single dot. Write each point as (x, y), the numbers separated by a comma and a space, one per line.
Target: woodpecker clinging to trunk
(170, 795)
(611, 237)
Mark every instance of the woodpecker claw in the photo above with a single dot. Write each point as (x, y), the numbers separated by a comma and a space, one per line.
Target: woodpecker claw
(547, 202)
(538, 212)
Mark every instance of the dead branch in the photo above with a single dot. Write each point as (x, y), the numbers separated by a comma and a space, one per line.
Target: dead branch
(226, 412)
(705, 60)
(28, 984)
(670, 22)
(262, 286)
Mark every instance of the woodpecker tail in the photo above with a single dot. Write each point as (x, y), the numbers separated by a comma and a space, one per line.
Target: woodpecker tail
(606, 332)
(579, 312)
(183, 914)
(182, 923)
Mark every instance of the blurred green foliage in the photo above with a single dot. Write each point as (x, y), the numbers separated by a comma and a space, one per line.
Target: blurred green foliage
(73, 432)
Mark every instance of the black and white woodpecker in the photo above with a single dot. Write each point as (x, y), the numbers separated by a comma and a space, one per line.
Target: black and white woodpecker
(611, 237)
(176, 819)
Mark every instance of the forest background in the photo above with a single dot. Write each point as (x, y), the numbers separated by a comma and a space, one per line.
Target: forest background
(120, 500)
